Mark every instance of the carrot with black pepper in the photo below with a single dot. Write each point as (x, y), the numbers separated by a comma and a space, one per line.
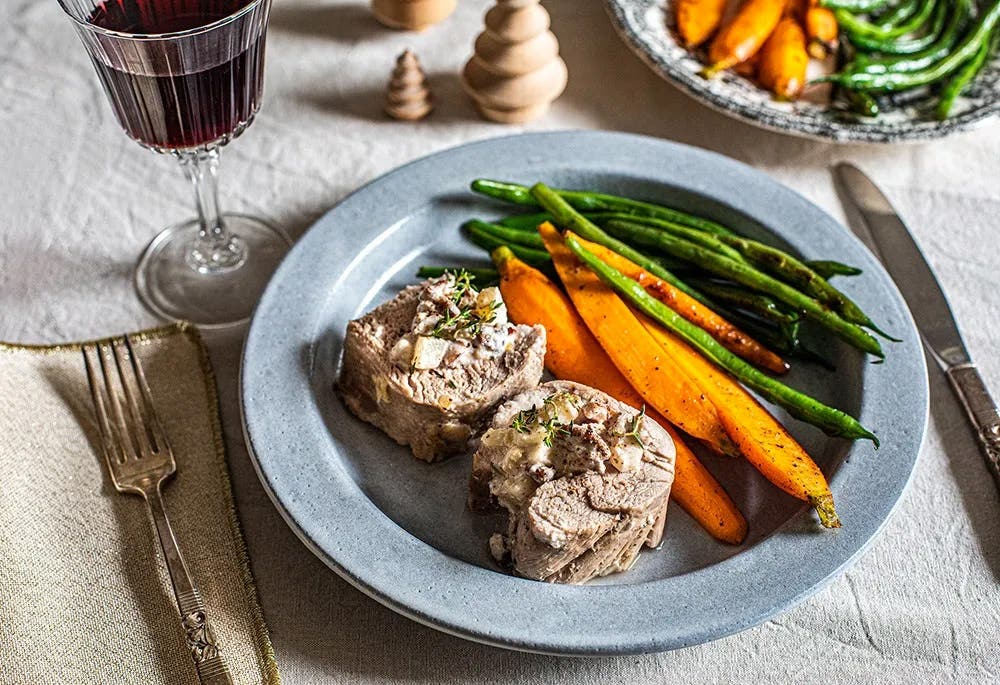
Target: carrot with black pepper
(729, 336)
(636, 355)
(762, 440)
(831, 420)
(744, 35)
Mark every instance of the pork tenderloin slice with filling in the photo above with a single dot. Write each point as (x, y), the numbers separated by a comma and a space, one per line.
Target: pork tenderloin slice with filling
(584, 504)
(428, 392)
(613, 553)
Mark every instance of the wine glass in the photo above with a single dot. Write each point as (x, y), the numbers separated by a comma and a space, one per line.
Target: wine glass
(185, 77)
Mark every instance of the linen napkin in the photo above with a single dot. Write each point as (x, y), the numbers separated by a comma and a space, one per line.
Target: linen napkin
(84, 594)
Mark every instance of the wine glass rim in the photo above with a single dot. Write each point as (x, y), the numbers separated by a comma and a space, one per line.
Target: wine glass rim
(229, 18)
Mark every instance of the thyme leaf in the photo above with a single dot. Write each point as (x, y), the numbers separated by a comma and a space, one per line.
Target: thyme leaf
(553, 428)
(524, 420)
(636, 427)
(470, 318)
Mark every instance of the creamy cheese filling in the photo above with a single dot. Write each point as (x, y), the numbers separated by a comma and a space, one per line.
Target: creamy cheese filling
(563, 436)
(454, 325)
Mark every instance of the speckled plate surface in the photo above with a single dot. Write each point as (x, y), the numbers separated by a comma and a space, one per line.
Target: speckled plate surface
(647, 26)
(398, 529)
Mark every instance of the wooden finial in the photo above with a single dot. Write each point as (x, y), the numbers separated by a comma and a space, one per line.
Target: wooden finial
(412, 15)
(515, 71)
(409, 98)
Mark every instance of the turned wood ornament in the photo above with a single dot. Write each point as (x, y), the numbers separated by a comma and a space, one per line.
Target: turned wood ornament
(412, 15)
(515, 71)
(409, 98)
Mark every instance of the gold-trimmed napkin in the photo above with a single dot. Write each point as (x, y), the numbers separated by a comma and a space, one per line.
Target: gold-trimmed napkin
(84, 596)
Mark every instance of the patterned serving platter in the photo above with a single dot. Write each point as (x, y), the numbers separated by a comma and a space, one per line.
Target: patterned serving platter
(647, 26)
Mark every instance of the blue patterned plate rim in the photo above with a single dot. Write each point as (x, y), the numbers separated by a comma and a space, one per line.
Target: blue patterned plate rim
(646, 27)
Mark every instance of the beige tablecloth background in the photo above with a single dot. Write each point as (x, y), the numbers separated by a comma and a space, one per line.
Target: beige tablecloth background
(78, 202)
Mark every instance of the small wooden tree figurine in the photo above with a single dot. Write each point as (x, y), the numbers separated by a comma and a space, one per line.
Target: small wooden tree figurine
(516, 71)
(409, 98)
(412, 15)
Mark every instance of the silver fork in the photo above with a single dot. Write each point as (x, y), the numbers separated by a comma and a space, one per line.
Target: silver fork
(139, 460)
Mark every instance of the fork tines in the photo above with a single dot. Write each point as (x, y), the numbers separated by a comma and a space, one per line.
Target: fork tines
(125, 417)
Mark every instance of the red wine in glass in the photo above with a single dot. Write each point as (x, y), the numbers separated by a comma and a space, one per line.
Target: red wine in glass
(185, 77)
(167, 101)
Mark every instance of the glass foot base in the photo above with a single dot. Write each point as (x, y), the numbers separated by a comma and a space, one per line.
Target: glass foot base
(171, 287)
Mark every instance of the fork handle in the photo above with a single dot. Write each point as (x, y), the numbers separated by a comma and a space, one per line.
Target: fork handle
(200, 637)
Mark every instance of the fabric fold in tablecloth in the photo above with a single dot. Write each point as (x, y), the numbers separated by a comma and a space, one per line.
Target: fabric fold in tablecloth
(84, 596)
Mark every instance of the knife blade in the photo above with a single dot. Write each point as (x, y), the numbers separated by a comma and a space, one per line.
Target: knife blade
(886, 235)
(906, 264)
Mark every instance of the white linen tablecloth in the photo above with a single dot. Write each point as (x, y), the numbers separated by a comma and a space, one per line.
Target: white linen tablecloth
(79, 201)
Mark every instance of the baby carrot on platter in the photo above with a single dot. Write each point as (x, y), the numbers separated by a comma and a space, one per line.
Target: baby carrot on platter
(726, 333)
(744, 35)
(697, 20)
(784, 59)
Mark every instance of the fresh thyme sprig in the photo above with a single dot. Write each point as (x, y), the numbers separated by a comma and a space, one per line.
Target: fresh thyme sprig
(463, 284)
(552, 428)
(470, 318)
(524, 420)
(636, 427)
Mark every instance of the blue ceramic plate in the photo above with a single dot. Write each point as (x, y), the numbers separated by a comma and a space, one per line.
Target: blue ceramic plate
(398, 529)
(647, 26)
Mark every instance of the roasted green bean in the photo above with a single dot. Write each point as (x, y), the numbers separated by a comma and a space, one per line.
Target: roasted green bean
(798, 404)
(586, 201)
(750, 277)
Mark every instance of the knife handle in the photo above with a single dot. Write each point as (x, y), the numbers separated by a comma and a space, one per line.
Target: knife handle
(982, 412)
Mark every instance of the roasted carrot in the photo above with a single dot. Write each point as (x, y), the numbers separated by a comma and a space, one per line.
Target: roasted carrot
(783, 60)
(697, 491)
(728, 335)
(744, 35)
(821, 30)
(697, 20)
(635, 353)
(748, 69)
(699, 494)
(762, 440)
(573, 353)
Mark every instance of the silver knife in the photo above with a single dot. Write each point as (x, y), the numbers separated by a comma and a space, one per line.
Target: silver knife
(886, 235)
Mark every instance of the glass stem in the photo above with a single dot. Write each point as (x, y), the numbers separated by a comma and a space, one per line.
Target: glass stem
(215, 250)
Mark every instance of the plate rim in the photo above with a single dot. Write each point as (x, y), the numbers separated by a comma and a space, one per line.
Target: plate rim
(506, 639)
(833, 132)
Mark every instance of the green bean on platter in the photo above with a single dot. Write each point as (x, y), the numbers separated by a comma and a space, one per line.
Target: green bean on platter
(855, 26)
(489, 242)
(908, 46)
(967, 48)
(960, 81)
(828, 268)
(923, 59)
(509, 235)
